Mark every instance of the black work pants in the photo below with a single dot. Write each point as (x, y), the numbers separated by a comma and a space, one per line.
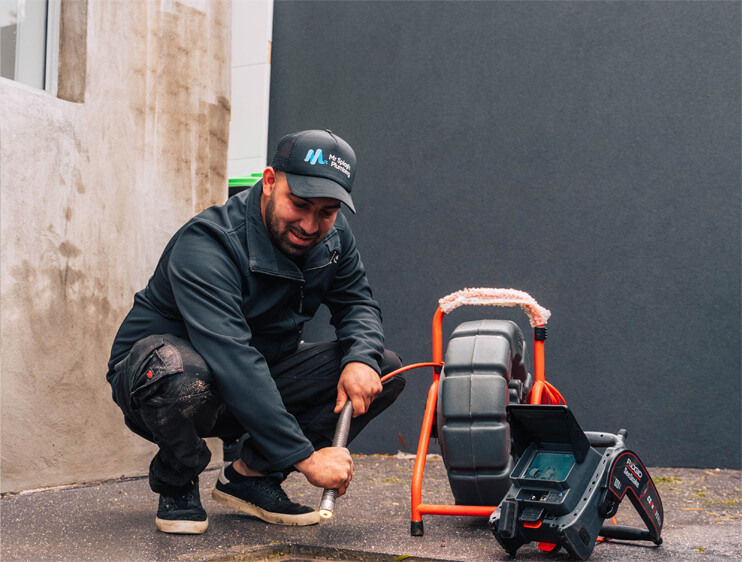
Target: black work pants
(168, 396)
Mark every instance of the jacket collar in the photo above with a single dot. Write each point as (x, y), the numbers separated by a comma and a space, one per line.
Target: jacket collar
(264, 257)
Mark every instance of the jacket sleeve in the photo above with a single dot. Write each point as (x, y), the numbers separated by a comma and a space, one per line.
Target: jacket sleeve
(354, 312)
(207, 286)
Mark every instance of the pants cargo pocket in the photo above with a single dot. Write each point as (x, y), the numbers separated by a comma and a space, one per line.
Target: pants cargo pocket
(152, 374)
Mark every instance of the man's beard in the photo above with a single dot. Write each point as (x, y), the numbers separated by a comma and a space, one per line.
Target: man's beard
(280, 236)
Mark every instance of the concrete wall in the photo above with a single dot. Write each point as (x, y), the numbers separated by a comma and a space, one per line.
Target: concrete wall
(91, 191)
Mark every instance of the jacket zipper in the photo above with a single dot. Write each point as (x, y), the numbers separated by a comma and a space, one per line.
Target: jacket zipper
(333, 259)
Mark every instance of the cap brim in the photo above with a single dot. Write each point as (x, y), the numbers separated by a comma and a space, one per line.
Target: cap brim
(307, 187)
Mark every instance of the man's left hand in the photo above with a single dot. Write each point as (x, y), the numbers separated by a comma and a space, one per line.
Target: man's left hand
(360, 384)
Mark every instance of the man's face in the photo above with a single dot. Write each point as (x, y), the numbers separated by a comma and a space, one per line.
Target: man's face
(296, 225)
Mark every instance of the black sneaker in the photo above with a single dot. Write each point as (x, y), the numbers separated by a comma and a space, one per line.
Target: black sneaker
(183, 514)
(263, 498)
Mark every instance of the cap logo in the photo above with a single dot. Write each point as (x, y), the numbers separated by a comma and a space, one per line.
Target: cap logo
(314, 156)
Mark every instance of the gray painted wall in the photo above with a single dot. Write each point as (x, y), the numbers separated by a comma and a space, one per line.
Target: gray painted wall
(585, 152)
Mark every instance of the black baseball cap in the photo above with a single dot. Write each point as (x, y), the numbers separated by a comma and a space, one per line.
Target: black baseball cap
(317, 164)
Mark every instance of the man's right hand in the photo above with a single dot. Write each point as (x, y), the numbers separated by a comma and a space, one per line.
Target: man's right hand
(331, 467)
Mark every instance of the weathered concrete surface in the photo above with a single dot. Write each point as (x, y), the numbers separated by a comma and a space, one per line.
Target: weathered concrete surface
(91, 192)
(115, 521)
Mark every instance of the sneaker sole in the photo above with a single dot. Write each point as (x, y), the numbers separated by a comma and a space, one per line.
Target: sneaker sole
(302, 519)
(183, 527)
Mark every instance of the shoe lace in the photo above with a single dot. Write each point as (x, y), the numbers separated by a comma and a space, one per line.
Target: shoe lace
(274, 489)
(188, 501)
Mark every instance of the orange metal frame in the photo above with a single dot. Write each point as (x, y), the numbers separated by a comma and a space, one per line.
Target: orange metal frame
(541, 393)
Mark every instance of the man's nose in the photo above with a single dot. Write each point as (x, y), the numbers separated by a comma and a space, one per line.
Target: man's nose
(310, 223)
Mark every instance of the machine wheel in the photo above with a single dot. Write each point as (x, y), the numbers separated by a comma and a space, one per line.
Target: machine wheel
(484, 370)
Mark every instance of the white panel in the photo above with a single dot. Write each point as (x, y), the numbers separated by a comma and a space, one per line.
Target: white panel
(248, 129)
(252, 28)
(245, 167)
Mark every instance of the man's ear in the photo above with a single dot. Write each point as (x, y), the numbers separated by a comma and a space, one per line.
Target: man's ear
(269, 181)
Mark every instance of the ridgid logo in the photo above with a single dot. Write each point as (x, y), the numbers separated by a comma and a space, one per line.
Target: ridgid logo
(314, 156)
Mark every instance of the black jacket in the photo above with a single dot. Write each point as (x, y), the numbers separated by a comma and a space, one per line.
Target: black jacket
(221, 284)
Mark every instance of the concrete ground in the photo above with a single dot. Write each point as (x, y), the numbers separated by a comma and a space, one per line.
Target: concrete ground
(115, 521)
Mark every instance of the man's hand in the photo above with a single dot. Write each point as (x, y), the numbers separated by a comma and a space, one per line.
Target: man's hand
(360, 384)
(331, 467)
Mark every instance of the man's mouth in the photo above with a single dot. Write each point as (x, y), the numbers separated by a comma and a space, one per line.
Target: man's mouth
(301, 239)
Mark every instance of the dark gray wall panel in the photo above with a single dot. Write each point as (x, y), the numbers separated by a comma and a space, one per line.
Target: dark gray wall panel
(585, 152)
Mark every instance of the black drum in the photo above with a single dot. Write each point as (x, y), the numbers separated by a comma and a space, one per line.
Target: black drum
(484, 371)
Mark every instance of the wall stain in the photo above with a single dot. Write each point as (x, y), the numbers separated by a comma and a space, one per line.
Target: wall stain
(79, 184)
(196, 82)
(224, 103)
(58, 308)
(69, 250)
